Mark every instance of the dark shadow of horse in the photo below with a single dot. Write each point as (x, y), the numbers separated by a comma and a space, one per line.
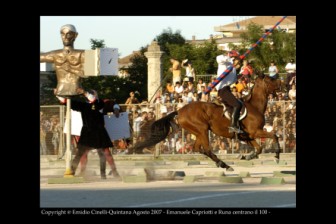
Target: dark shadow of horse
(200, 117)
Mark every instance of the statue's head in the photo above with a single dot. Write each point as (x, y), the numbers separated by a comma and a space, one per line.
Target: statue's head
(68, 34)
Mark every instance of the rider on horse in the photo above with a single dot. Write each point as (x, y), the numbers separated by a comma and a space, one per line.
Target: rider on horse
(223, 87)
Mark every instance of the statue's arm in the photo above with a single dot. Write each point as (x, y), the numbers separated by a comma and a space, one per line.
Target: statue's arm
(81, 72)
(47, 57)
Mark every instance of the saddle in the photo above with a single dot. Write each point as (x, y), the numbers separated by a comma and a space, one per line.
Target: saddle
(227, 110)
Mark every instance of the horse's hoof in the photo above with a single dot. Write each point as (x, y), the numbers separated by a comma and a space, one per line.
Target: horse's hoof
(222, 165)
(242, 157)
(248, 157)
(276, 160)
(251, 156)
(229, 168)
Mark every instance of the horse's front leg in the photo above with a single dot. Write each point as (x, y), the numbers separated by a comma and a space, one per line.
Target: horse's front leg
(277, 147)
(202, 146)
(264, 134)
(253, 154)
(218, 162)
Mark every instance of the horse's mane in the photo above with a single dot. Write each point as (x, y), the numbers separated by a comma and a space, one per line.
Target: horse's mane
(248, 97)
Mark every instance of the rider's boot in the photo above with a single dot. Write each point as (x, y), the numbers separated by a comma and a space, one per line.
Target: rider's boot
(234, 121)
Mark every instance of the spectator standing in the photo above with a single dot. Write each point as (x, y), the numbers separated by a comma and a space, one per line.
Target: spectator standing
(292, 93)
(170, 90)
(291, 72)
(131, 100)
(212, 95)
(190, 71)
(43, 133)
(246, 71)
(273, 70)
(199, 87)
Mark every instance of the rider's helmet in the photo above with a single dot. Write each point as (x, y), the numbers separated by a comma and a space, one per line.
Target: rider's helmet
(234, 53)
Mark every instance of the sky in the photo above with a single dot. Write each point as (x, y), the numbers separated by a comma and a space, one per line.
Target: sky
(127, 33)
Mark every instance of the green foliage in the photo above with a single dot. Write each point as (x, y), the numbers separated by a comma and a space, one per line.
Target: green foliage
(137, 81)
(203, 58)
(278, 46)
(108, 87)
(96, 43)
(167, 37)
(114, 87)
(47, 96)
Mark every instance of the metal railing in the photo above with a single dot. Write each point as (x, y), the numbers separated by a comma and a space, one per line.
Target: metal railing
(280, 115)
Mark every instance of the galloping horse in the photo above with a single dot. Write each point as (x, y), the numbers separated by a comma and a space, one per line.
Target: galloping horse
(200, 117)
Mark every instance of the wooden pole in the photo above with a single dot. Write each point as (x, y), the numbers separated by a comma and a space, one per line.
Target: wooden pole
(68, 154)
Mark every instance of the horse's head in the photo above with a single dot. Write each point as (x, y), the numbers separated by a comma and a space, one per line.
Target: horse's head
(270, 85)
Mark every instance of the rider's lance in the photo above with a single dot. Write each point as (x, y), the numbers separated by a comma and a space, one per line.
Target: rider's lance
(229, 69)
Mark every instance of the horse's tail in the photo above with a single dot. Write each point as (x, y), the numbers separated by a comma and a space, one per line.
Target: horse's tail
(159, 130)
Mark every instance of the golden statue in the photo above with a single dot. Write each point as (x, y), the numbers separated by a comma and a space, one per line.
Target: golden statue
(69, 63)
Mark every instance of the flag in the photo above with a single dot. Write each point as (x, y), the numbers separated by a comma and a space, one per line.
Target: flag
(237, 25)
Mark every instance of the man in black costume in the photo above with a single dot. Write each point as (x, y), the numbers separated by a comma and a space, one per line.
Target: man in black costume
(93, 134)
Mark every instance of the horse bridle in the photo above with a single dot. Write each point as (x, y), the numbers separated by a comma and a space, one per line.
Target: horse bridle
(267, 85)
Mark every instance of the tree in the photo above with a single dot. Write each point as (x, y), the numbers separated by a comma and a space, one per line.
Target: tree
(204, 58)
(170, 40)
(47, 96)
(95, 43)
(168, 37)
(253, 34)
(137, 81)
(279, 46)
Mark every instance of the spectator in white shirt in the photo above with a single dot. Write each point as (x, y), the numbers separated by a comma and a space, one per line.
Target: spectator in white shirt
(292, 93)
(273, 70)
(179, 88)
(291, 72)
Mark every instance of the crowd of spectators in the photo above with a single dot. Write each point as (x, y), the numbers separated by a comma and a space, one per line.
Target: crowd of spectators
(280, 115)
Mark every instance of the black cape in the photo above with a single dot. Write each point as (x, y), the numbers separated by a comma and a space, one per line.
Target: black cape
(93, 133)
